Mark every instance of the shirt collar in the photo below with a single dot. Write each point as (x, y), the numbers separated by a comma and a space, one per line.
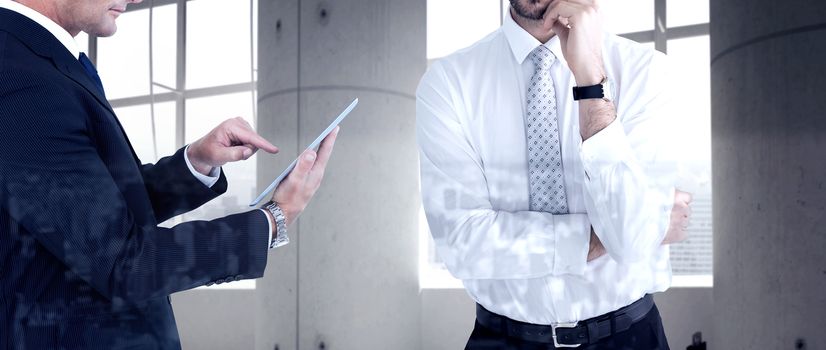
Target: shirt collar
(61, 34)
(523, 43)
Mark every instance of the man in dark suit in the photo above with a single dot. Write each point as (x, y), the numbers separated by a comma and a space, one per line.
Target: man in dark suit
(83, 262)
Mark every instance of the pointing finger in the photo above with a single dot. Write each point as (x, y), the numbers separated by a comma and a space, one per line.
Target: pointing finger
(248, 136)
(234, 153)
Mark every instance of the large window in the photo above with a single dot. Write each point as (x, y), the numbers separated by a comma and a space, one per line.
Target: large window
(172, 75)
(678, 28)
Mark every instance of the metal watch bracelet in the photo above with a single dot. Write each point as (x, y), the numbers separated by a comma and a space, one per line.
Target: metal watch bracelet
(281, 237)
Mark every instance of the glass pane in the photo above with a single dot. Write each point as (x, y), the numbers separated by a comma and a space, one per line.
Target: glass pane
(255, 37)
(691, 105)
(164, 46)
(217, 54)
(686, 12)
(628, 16)
(123, 59)
(476, 18)
(137, 122)
(203, 115)
(255, 53)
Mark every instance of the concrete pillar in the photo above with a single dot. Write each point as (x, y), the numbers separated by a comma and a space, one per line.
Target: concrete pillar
(769, 174)
(349, 280)
(276, 314)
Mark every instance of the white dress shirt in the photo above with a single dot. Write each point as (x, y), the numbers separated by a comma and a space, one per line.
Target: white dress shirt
(531, 266)
(69, 42)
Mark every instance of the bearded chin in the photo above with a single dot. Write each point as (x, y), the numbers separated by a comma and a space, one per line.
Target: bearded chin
(522, 11)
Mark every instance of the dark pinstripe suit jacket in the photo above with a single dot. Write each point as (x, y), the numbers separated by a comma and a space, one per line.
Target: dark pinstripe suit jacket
(83, 263)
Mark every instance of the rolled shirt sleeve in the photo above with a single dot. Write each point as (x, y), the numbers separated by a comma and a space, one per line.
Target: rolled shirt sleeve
(630, 173)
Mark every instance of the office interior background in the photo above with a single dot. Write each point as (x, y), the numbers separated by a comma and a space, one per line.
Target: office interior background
(361, 272)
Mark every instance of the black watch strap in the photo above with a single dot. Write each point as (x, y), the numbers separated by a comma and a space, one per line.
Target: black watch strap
(586, 92)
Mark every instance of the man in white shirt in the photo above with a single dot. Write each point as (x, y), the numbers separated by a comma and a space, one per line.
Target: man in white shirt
(543, 147)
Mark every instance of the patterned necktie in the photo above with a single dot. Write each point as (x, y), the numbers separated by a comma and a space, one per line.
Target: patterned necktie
(544, 157)
(91, 71)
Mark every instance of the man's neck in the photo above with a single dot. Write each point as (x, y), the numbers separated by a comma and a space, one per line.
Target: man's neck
(533, 26)
(48, 9)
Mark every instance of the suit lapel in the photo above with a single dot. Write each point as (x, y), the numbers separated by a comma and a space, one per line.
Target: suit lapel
(43, 43)
(75, 71)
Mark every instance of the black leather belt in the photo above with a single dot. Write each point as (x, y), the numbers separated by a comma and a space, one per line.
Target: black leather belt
(568, 335)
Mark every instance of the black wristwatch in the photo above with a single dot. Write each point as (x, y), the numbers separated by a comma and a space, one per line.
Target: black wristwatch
(601, 90)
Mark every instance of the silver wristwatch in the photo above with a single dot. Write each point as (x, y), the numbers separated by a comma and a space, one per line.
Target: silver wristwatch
(281, 237)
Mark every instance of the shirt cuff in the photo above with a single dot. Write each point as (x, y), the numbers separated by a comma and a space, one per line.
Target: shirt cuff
(269, 228)
(572, 246)
(208, 181)
(606, 148)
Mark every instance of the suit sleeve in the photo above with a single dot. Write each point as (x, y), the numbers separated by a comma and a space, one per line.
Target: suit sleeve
(54, 183)
(173, 189)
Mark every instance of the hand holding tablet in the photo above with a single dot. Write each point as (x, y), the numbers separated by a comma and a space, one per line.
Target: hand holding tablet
(314, 145)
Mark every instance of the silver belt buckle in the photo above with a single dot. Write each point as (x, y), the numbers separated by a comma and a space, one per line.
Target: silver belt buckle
(563, 325)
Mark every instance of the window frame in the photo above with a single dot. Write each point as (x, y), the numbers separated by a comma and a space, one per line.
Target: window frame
(180, 93)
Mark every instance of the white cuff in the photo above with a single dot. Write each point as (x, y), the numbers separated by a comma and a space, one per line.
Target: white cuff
(269, 229)
(208, 181)
(571, 246)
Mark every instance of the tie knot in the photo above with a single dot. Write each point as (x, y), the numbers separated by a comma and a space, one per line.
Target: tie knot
(87, 63)
(542, 57)
(91, 71)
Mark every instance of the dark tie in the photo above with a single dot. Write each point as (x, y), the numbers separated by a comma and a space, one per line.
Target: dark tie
(92, 72)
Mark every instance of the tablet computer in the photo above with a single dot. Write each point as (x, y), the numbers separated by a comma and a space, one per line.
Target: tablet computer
(314, 145)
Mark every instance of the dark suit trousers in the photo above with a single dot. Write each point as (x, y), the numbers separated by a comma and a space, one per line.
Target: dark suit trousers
(645, 334)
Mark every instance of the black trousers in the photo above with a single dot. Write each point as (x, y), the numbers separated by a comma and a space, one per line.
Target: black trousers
(645, 334)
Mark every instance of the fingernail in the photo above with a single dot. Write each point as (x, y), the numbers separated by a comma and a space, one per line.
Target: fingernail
(310, 156)
(247, 153)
